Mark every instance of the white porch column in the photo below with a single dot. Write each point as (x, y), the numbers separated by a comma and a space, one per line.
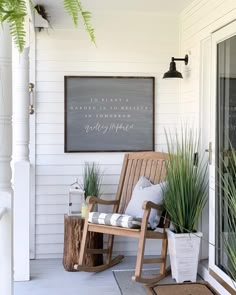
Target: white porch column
(21, 164)
(6, 276)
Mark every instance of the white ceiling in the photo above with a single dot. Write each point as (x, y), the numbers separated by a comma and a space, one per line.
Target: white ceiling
(170, 6)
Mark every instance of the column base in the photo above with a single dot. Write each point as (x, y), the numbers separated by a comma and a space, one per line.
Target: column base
(6, 245)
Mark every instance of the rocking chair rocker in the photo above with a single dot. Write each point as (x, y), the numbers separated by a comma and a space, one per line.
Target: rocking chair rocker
(152, 166)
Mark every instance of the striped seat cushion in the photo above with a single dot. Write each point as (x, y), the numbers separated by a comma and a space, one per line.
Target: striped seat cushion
(115, 219)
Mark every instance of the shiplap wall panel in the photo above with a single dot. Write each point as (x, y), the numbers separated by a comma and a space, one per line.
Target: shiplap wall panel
(66, 180)
(52, 239)
(68, 170)
(197, 22)
(139, 45)
(208, 18)
(51, 200)
(79, 158)
(63, 189)
(59, 199)
(101, 66)
(50, 209)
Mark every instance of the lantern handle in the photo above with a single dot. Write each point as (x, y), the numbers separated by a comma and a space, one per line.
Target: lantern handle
(76, 182)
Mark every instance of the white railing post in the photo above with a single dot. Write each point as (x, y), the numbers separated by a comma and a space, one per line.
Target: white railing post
(21, 174)
(6, 194)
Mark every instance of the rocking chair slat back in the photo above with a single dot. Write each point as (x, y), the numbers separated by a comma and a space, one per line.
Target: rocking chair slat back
(148, 164)
(153, 171)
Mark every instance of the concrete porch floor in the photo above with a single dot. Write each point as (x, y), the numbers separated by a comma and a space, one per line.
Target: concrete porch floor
(48, 277)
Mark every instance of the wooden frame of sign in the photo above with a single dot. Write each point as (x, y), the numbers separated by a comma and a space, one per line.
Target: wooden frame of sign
(109, 114)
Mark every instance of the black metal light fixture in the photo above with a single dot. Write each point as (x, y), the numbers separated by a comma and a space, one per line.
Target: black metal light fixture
(173, 73)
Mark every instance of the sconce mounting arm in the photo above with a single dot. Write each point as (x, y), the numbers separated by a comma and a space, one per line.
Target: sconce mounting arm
(185, 59)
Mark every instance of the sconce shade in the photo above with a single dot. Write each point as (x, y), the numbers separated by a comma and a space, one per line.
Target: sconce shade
(172, 73)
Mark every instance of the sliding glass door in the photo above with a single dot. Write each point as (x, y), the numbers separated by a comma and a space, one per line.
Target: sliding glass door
(225, 141)
(223, 130)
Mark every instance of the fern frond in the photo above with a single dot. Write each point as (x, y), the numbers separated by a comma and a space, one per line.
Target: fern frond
(71, 7)
(13, 12)
(17, 30)
(1, 11)
(86, 15)
(74, 8)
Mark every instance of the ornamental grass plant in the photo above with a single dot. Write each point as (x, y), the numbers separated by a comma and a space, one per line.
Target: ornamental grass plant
(228, 185)
(185, 195)
(92, 180)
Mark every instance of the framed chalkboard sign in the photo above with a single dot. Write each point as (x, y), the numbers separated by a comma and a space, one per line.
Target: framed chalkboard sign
(109, 114)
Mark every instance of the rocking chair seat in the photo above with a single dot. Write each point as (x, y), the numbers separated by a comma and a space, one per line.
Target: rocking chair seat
(130, 232)
(152, 166)
(115, 219)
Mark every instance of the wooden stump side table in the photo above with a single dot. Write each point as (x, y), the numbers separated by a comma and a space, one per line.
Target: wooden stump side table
(73, 231)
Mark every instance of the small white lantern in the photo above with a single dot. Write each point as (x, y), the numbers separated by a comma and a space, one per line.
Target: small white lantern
(75, 199)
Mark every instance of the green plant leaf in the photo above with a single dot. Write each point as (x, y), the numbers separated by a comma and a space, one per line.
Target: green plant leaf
(86, 15)
(185, 195)
(13, 12)
(72, 8)
(92, 180)
(227, 175)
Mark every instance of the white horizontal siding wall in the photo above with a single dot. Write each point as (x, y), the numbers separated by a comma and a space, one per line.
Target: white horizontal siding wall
(131, 44)
(198, 21)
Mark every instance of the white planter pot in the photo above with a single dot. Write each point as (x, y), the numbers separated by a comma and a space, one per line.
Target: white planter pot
(184, 255)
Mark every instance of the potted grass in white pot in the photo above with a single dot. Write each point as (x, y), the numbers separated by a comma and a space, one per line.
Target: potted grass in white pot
(185, 198)
(92, 181)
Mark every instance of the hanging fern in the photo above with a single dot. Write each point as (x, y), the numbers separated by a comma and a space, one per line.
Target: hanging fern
(14, 12)
(71, 6)
(74, 7)
(86, 15)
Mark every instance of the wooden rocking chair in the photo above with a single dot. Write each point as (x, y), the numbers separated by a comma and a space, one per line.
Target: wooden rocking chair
(152, 166)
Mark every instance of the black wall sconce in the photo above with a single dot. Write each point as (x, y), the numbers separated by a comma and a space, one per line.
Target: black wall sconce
(173, 73)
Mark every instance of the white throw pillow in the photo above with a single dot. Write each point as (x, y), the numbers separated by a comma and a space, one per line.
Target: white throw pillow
(144, 190)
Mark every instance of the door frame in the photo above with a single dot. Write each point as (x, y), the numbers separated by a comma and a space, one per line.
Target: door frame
(32, 145)
(216, 37)
(204, 120)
